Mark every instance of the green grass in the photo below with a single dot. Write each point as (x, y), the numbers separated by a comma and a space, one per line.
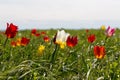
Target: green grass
(77, 63)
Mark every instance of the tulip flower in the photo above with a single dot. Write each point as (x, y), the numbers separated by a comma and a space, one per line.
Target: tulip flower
(87, 30)
(18, 42)
(46, 39)
(103, 27)
(110, 31)
(91, 38)
(61, 38)
(72, 41)
(37, 34)
(24, 41)
(11, 30)
(33, 31)
(13, 44)
(41, 48)
(99, 51)
(43, 33)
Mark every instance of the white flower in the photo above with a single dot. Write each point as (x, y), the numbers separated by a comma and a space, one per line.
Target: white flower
(61, 36)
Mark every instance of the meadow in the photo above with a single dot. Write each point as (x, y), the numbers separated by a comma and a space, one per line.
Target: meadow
(40, 57)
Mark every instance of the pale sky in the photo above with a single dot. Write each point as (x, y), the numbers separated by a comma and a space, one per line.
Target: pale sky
(63, 10)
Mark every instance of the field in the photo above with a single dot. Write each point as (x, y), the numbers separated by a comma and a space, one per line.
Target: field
(47, 60)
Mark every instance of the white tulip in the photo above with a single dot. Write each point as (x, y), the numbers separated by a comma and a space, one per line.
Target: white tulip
(61, 38)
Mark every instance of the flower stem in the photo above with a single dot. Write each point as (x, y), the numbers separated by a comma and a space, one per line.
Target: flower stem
(5, 42)
(105, 40)
(53, 55)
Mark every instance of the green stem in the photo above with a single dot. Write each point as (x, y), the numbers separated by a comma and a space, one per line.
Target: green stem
(5, 42)
(105, 40)
(53, 55)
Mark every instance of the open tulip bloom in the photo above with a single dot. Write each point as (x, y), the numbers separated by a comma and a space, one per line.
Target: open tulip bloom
(72, 41)
(99, 51)
(61, 38)
(110, 31)
(91, 38)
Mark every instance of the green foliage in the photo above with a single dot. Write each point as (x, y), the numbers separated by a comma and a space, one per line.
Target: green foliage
(77, 63)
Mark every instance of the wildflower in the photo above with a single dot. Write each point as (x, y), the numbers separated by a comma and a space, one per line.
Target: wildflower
(37, 34)
(103, 27)
(24, 41)
(18, 42)
(61, 38)
(11, 30)
(46, 39)
(13, 44)
(99, 51)
(33, 31)
(72, 41)
(110, 31)
(41, 48)
(91, 38)
(43, 33)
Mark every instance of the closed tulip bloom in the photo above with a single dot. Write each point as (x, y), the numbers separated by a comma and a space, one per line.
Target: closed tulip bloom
(99, 52)
(72, 41)
(13, 44)
(91, 38)
(46, 39)
(37, 34)
(11, 30)
(103, 27)
(33, 31)
(18, 42)
(24, 41)
(110, 31)
(43, 33)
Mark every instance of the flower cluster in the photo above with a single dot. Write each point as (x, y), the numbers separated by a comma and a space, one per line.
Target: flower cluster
(62, 38)
(20, 42)
(35, 33)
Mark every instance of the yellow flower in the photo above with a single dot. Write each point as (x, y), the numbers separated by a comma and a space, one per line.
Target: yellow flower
(41, 48)
(18, 41)
(62, 45)
(103, 27)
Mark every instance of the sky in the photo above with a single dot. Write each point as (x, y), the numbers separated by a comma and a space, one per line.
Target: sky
(59, 13)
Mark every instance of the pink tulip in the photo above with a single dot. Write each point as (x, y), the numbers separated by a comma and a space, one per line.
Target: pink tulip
(110, 31)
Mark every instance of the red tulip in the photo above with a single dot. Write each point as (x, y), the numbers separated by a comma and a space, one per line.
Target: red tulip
(99, 51)
(43, 33)
(24, 41)
(33, 31)
(72, 41)
(46, 39)
(13, 43)
(11, 30)
(91, 38)
(37, 34)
